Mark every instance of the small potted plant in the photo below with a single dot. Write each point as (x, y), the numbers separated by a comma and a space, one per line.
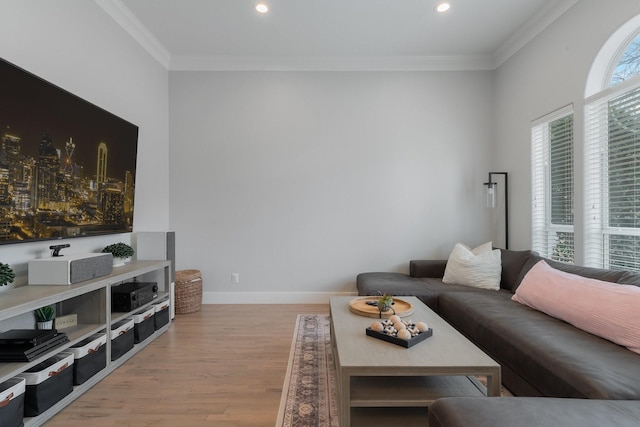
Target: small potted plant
(385, 304)
(44, 316)
(121, 253)
(6, 274)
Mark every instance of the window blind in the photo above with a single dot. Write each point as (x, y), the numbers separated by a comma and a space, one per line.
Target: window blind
(612, 178)
(553, 185)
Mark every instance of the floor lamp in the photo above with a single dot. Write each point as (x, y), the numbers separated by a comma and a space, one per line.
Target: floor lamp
(491, 201)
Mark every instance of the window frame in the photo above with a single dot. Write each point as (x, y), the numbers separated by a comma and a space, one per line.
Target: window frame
(631, 40)
(597, 228)
(544, 230)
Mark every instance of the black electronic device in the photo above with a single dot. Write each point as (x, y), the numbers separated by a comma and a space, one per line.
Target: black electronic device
(55, 249)
(129, 296)
(83, 135)
(24, 345)
(26, 337)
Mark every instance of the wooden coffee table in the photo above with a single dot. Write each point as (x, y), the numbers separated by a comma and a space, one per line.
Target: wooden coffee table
(376, 379)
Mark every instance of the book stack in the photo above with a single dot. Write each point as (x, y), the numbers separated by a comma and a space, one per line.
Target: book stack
(24, 345)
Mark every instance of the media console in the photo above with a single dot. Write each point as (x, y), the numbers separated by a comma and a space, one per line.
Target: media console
(91, 302)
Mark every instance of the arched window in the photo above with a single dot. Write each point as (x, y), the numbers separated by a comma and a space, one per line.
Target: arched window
(612, 159)
(628, 65)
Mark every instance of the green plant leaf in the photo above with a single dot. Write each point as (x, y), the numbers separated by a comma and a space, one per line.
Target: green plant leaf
(6, 274)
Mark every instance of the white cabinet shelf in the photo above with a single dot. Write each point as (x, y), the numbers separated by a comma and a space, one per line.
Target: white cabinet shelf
(91, 301)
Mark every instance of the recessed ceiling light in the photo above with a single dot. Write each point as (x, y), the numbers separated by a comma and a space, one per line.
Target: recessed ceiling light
(262, 8)
(442, 7)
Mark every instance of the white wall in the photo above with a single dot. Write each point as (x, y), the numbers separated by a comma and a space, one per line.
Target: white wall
(298, 181)
(74, 44)
(549, 73)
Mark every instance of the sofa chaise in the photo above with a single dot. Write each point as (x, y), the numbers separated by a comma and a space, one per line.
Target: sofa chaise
(533, 412)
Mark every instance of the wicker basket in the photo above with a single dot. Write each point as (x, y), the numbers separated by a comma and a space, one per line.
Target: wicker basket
(188, 291)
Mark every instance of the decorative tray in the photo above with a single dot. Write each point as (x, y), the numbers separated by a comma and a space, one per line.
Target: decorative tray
(392, 337)
(362, 307)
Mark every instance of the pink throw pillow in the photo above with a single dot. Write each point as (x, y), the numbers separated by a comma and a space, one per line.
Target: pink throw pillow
(608, 310)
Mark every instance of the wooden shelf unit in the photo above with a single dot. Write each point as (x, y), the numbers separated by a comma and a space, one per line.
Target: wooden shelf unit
(91, 301)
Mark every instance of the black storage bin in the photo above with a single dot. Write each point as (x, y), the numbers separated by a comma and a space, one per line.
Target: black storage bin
(12, 402)
(121, 338)
(90, 357)
(161, 317)
(143, 324)
(47, 383)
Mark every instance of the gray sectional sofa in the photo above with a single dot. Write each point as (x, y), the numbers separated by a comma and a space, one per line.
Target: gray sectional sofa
(540, 355)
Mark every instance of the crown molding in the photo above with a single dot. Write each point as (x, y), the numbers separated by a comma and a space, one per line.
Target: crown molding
(125, 18)
(132, 25)
(536, 25)
(298, 63)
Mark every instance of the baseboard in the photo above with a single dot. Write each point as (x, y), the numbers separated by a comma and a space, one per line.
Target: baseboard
(271, 297)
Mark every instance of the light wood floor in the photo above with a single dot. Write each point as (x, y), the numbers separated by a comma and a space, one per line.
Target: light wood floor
(223, 366)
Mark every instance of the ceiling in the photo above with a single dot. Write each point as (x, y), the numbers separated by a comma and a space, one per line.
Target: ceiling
(333, 34)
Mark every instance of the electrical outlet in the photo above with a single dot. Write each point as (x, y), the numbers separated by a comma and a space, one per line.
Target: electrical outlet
(235, 278)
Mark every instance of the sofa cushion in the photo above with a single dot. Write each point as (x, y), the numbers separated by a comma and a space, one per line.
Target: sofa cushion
(426, 289)
(629, 278)
(512, 264)
(427, 267)
(479, 267)
(602, 308)
(553, 357)
(532, 412)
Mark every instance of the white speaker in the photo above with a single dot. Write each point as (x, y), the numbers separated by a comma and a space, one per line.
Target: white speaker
(69, 269)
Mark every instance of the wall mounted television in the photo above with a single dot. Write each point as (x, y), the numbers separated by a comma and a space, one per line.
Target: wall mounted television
(67, 167)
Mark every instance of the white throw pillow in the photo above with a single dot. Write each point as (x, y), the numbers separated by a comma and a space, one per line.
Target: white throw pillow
(480, 267)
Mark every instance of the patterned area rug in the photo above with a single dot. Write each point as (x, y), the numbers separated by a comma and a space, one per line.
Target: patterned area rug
(309, 390)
